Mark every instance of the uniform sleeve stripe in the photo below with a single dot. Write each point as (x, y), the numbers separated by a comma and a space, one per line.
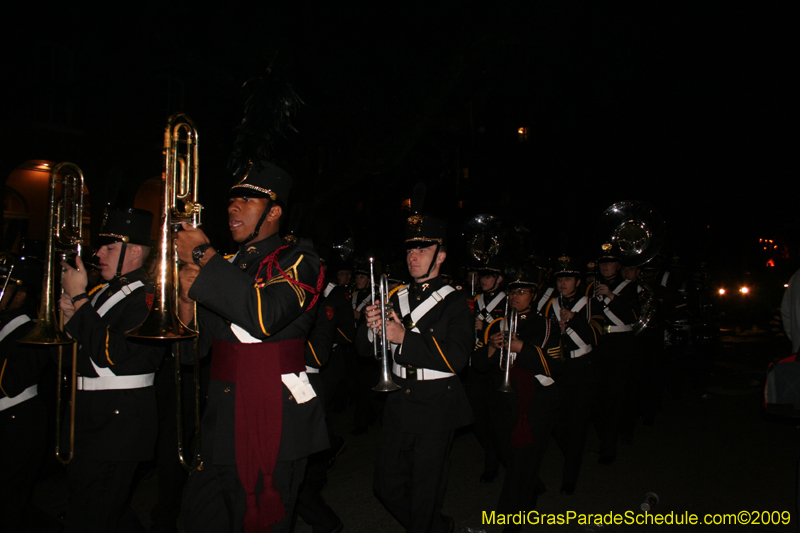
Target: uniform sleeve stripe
(343, 335)
(260, 319)
(544, 361)
(3, 371)
(443, 357)
(314, 353)
(108, 356)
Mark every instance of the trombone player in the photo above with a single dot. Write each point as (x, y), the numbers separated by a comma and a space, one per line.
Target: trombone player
(115, 418)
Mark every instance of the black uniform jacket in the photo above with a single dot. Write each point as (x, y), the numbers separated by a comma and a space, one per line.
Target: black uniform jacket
(270, 309)
(21, 365)
(583, 325)
(541, 347)
(625, 305)
(490, 316)
(444, 343)
(339, 300)
(319, 343)
(115, 425)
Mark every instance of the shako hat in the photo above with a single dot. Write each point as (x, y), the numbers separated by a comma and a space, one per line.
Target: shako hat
(423, 231)
(129, 225)
(268, 181)
(567, 266)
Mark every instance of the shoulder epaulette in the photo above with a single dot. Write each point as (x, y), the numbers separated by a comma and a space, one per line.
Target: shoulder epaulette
(391, 292)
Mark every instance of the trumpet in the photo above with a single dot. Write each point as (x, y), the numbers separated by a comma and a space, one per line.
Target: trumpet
(180, 177)
(64, 228)
(386, 384)
(510, 324)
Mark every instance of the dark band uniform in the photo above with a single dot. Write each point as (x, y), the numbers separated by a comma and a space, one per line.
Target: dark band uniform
(115, 414)
(420, 419)
(579, 381)
(253, 308)
(533, 405)
(23, 417)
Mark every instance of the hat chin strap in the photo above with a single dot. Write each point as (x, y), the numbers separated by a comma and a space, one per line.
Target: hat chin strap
(433, 261)
(121, 259)
(260, 223)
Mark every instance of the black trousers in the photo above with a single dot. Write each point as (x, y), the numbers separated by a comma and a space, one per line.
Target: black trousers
(215, 498)
(411, 477)
(99, 496)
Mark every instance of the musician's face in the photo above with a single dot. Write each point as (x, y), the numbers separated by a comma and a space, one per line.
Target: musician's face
(608, 269)
(243, 215)
(361, 281)
(419, 261)
(630, 273)
(343, 277)
(108, 255)
(567, 285)
(488, 282)
(521, 298)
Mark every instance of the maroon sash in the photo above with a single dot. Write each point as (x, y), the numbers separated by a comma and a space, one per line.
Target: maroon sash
(256, 369)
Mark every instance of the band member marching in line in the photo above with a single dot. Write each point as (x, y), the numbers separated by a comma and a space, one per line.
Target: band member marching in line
(23, 419)
(115, 417)
(618, 298)
(262, 418)
(531, 408)
(579, 381)
(431, 332)
(480, 382)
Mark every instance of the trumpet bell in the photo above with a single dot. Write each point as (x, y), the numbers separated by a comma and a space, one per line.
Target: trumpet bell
(45, 332)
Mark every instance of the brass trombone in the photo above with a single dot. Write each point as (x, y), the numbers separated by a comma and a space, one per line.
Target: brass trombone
(510, 324)
(180, 178)
(386, 384)
(64, 228)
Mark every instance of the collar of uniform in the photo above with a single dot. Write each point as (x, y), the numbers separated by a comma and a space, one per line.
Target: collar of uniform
(426, 288)
(130, 277)
(524, 313)
(609, 281)
(568, 301)
(260, 248)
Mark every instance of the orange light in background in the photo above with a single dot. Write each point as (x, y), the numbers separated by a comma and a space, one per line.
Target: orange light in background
(744, 290)
(770, 263)
(721, 291)
(522, 134)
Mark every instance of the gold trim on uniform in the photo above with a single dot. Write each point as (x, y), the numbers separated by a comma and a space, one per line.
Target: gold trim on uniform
(108, 357)
(291, 273)
(262, 190)
(442, 354)
(314, 353)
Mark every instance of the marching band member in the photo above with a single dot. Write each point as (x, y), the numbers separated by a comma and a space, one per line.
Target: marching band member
(431, 335)
(262, 417)
(533, 405)
(579, 332)
(115, 417)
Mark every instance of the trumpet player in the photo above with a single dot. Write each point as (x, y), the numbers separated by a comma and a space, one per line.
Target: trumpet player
(115, 416)
(527, 415)
(431, 332)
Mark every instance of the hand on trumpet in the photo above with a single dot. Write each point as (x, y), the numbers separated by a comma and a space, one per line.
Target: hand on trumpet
(499, 340)
(395, 331)
(189, 239)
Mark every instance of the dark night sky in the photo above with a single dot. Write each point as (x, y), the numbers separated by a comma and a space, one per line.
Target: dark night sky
(684, 106)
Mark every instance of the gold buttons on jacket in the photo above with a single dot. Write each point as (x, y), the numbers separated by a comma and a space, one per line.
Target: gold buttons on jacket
(408, 391)
(226, 389)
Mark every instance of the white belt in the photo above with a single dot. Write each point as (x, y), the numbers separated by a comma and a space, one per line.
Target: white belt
(27, 394)
(619, 329)
(423, 374)
(574, 354)
(311, 370)
(545, 380)
(138, 381)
